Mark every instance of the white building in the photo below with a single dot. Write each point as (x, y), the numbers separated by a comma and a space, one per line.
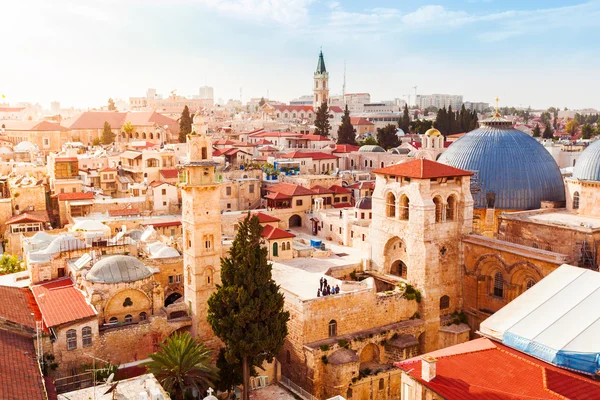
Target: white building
(356, 101)
(439, 101)
(476, 106)
(207, 92)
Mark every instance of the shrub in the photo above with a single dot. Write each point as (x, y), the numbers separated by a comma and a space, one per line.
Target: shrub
(343, 343)
(324, 347)
(325, 360)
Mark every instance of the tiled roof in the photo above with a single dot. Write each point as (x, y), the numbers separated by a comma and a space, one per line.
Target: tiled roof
(337, 189)
(285, 107)
(33, 126)
(264, 141)
(262, 217)
(360, 121)
(108, 169)
(422, 169)
(345, 148)
(60, 302)
(271, 233)
(314, 155)
(290, 189)
(268, 149)
(18, 305)
(36, 216)
(223, 142)
(485, 370)
(124, 212)
(169, 173)
(362, 185)
(140, 118)
(11, 109)
(75, 196)
(143, 145)
(277, 196)
(321, 190)
(336, 109)
(20, 374)
(95, 120)
(276, 134)
(314, 138)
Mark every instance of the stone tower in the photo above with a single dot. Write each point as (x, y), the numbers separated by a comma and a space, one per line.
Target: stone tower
(201, 219)
(421, 210)
(321, 86)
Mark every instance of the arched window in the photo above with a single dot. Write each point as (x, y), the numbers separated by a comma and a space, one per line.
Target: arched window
(151, 135)
(204, 153)
(71, 339)
(152, 163)
(451, 208)
(575, 200)
(404, 207)
(332, 328)
(113, 320)
(444, 302)
(128, 318)
(399, 269)
(143, 135)
(381, 384)
(498, 284)
(143, 316)
(529, 284)
(349, 394)
(137, 135)
(86, 336)
(371, 163)
(275, 250)
(438, 208)
(390, 205)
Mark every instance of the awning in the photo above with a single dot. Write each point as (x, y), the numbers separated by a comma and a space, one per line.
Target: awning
(131, 155)
(82, 203)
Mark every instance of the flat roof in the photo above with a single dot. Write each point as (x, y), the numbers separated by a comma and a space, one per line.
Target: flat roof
(558, 217)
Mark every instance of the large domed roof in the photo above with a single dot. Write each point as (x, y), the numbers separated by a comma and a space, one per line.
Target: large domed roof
(510, 166)
(370, 148)
(587, 167)
(116, 269)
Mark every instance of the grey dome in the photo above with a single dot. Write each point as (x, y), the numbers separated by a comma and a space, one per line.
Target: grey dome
(116, 269)
(371, 149)
(343, 356)
(364, 203)
(400, 150)
(509, 164)
(587, 167)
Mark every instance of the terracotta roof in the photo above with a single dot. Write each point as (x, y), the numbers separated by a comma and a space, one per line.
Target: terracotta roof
(142, 145)
(321, 190)
(65, 159)
(60, 302)
(267, 149)
(275, 134)
(314, 138)
(223, 142)
(169, 173)
(337, 189)
(271, 233)
(345, 148)
(154, 184)
(277, 196)
(11, 109)
(75, 196)
(290, 189)
(336, 109)
(360, 121)
(124, 212)
(36, 216)
(285, 107)
(20, 374)
(108, 169)
(18, 305)
(422, 169)
(362, 185)
(485, 370)
(264, 141)
(262, 217)
(95, 120)
(144, 118)
(314, 155)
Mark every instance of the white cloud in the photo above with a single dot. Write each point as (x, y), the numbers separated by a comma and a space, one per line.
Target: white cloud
(334, 4)
(291, 12)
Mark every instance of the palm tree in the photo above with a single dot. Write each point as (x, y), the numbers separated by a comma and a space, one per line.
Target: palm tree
(182, 364)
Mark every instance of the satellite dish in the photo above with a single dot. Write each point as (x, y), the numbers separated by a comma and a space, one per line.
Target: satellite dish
(110, 378)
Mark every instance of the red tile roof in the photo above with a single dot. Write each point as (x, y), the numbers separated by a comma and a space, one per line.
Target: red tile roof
(33, 126)
(336, 109)
(264, 141)
(223, 142)
(18, 305)
(422, 169)
(271, 233)
(124, 212)
(345, 148)
(20, 374)
(314, 138)
(262, 217)
(60, 302)
(143, 145)
(267, 149)
(484, 370)
(337, 189)
(95, 120)
(277, 196)
(276, 134)
(314, 155)
(169, 173)
(290, 189)
(362, 185)
(318, 189)
(66, 159)
(285, 107)
(360, 121)
(108, 169)
(75, 196)
(39, 216)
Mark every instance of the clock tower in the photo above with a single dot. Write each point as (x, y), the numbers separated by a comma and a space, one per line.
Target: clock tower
(201, 220)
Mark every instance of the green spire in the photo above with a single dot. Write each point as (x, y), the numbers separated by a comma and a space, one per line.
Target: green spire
(321, 64)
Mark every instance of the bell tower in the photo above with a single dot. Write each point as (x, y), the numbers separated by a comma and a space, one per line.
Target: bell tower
(201, 220)
(321, 83)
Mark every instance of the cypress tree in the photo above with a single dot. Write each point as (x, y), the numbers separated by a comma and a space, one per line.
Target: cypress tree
(322, 120)
(387, 137)
(185, 124)
(404, 122)
(107, 134)
(441, 121)
(548, 134)
(246, 311)
(536, 131)
(346, 133)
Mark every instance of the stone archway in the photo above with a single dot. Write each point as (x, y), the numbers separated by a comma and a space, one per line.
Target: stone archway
(369, 356)
(400, 269)
(172, 298)
(295, 221)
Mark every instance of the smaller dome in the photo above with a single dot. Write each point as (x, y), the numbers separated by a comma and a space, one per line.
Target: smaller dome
(587, 167)
(343, 356)
(25, 146)
(371, 149)
(433, 132)
(400, 132)
(117, 269)
(89, 225)
(198, 118)
(400, 151)
(166, 252)
(364, 203)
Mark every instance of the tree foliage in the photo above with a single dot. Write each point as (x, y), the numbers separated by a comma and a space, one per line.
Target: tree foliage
(10, 264)
(537, 131)
(387, 137)
(128, 128)
(322, 120)
(369, 141)
(587, 131)
(185, 124)
(404, 122)
(420, 126)
(111, 105)
(181, 365)
(346, 133)
(572, 127)
(230, 373)
(548, 133)
(107, 134)
(246, 311)
(262, 102)
(449, 122)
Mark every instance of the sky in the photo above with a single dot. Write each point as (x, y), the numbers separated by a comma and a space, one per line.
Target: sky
(81, 52)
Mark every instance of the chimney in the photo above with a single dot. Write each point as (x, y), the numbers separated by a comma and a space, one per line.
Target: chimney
(428, 368)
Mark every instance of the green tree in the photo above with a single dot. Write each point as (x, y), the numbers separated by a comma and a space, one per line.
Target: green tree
(572, 127)
(537, 131)
(322, 120)
(111, 105)
(107, 134)
(10, 264)
(128, 129)
(548, 133)
(185, 124)
(545, 117)
(346, 133)
(404, 122)
(587, 131)
(261, 102)
(420, 126)
(441, 122)
(246, 311)
(181, 365)
(369, 141)
(230, 373)
(387, 138)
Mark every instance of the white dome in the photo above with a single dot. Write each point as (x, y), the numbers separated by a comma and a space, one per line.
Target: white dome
(90, 225)
(116, 269)
(166, 252)
(155, 247)
(24, 147)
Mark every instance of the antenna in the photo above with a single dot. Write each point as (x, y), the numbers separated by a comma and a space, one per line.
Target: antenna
(344, 86)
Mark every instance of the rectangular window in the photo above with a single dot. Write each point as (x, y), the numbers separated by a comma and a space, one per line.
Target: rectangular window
(71, 339)
(164, 203)
(164, 192)
(172, 232)
(62, 190)
(298, 202)
(228, 191)
(178, 278)
(251, 188)
(171, 279)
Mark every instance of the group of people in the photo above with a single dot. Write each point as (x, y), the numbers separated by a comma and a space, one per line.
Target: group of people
(325, 289)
